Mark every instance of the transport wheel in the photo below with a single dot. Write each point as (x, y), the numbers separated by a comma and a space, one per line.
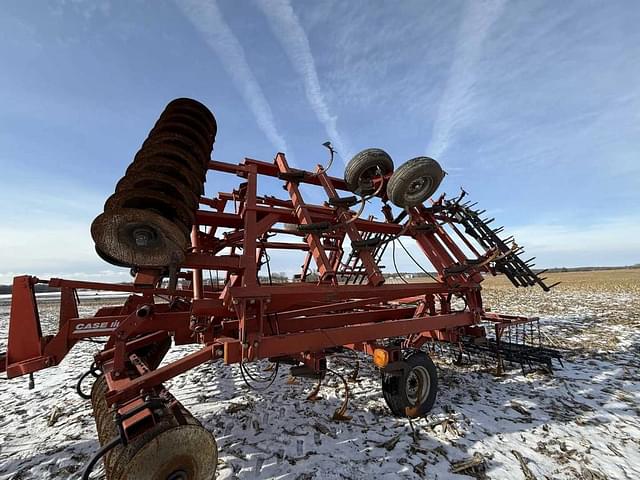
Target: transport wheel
(414, 182)
(412, 391)
(365, 166)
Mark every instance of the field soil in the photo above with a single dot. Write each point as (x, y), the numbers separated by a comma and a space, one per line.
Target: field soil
(583, 422)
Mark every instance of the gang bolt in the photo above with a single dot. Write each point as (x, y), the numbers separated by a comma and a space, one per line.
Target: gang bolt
(219, 352)
(142, 237)
(255, 344)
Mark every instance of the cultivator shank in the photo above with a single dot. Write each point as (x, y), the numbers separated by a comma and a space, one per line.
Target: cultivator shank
(160, 224)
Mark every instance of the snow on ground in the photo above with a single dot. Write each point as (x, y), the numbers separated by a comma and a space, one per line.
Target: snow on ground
(581, 423)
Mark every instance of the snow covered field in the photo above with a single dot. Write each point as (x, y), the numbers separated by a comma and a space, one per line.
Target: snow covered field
(582, 423)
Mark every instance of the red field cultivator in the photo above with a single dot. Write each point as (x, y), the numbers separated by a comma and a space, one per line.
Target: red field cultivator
(159, 224)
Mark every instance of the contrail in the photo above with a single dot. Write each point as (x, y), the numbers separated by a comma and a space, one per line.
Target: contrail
(453, 108)
(207, 19)
(287, 28)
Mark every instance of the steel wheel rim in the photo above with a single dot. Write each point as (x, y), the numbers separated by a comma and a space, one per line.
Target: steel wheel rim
(368, 174)
(417, 385)
(418, 188)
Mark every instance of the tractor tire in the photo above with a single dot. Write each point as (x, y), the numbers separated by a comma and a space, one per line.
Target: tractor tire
(364, 166)
(414, 182)
(412, 393)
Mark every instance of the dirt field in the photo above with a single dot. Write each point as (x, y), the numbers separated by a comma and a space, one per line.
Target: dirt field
(592, 311)
(581, 423)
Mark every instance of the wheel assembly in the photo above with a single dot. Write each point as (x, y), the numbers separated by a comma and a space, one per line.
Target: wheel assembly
(414, 182)
(410, 387)
(364, 167)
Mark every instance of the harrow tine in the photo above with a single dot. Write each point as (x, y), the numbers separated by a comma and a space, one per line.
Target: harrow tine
(354, 374)
(340, 414)
(511, 278)
(313, 395)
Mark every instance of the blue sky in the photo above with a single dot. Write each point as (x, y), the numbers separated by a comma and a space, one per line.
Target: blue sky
(533, 107)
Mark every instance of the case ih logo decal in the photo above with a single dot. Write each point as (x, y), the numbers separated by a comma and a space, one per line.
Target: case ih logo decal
(96, 326)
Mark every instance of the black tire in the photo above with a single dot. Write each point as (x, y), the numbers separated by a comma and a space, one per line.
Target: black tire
(414, 182)
(412, 393)
(364, 166)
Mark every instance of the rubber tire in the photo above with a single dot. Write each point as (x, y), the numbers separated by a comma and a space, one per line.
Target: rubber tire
(394, 387)
(400, 183)
(363, 162)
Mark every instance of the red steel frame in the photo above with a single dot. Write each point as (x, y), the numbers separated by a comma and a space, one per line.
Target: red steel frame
(245, 320)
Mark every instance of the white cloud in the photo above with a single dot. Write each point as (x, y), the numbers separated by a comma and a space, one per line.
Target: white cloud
(209, 22)
(456, 100)
(604, 243)
(287, 28)
(48, 235)
(52, 249)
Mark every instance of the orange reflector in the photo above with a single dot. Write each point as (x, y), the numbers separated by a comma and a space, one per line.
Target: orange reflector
(380, 357)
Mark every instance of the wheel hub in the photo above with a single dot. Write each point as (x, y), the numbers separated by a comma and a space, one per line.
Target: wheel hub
(416, 185)
(417, 385)
(143, 236)
(178, 475)
(417, 189)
